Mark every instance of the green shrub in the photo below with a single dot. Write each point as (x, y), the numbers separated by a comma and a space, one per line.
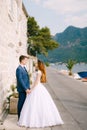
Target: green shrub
(47, 64)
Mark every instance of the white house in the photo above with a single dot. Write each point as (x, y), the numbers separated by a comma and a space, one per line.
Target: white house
(13, 42)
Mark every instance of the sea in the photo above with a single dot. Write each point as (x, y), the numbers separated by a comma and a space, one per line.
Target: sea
(79, 67)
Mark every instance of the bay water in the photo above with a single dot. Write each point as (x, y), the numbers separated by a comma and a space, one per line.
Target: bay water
(79, 67)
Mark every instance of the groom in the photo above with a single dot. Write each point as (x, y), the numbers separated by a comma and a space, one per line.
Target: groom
(23, 82)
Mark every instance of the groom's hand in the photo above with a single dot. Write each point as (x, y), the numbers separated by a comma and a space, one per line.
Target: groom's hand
(28, 91)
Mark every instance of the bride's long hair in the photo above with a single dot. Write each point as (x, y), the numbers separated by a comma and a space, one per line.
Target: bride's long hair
(41, 67)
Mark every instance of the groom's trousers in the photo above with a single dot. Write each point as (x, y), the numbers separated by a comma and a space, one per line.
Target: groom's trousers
(22, 96)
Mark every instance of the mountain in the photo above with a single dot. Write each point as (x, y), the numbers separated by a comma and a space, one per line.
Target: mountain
(72, 45)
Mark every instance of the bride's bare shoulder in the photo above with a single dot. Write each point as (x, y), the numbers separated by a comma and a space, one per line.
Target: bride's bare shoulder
(39, 72)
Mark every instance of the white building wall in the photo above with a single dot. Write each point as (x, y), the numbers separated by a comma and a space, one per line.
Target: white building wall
(13, 43)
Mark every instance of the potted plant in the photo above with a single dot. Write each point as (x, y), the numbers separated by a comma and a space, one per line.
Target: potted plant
(13, 100)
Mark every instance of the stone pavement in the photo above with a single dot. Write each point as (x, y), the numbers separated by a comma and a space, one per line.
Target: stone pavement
(70, 97)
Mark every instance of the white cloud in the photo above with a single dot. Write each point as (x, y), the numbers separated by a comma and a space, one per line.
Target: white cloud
(79, 21)
(73, 12)
(66, 6)
(36, 1)
(66, 12)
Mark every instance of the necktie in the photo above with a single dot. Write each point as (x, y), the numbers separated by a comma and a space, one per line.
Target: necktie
(25, 69)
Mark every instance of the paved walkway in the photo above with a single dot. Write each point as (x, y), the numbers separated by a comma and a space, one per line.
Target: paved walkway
(69, 95)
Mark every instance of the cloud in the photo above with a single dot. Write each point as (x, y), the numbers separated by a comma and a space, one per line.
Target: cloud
(66, 6)
(63, 6)
(72, 12)
(61, 13)
(36, 1)
(79, 21)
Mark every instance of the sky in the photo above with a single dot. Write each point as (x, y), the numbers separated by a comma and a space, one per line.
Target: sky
(57, 15)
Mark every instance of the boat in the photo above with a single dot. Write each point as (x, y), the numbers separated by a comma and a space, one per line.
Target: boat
(83, 74)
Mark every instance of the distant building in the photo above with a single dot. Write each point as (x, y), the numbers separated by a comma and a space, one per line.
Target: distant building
(13, 42)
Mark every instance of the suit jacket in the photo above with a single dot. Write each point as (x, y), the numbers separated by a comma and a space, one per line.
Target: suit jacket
(23, 82)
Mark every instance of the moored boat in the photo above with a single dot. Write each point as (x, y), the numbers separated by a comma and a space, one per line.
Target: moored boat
(83, 74)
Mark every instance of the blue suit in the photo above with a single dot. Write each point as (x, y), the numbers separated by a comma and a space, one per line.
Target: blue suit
(23, 83)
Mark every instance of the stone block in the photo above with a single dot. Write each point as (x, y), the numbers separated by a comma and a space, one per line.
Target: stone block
(2, 127)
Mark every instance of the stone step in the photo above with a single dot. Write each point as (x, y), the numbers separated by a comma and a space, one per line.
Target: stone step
(3, 116)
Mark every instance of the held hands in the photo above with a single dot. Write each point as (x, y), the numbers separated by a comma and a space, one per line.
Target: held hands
(28, 91)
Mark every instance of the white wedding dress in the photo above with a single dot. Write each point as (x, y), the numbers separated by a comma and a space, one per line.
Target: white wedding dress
(39, 109)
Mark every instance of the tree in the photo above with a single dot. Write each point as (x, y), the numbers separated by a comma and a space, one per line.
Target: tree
(39, 40)
(70, 63)
(32, 27)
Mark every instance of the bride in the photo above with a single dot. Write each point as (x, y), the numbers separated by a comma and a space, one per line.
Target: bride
(39, 109)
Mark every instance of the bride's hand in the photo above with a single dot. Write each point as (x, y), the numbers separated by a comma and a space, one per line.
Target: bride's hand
(28, 91)
(32, 89)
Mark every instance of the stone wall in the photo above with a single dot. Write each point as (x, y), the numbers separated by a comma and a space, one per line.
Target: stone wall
(13, 39)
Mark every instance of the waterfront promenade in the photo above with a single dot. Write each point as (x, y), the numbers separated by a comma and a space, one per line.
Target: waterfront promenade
(70, 96)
